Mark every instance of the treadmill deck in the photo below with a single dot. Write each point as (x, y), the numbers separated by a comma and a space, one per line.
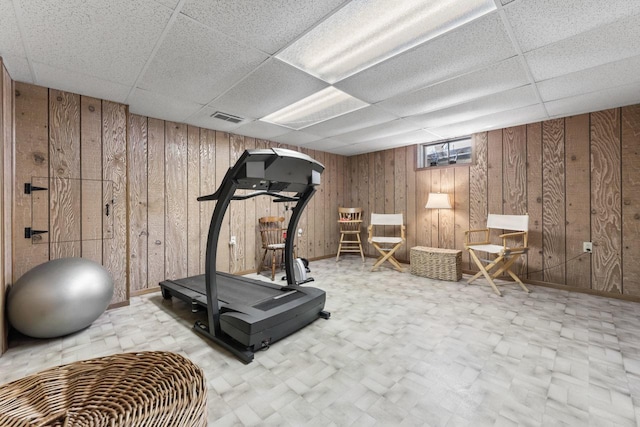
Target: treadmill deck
(252, 312)
(233, 289)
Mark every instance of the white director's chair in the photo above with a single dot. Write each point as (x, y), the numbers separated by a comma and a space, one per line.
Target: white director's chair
(505, 254)
(386, 245)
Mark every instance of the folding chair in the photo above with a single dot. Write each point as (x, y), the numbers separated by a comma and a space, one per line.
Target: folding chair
(272, 232)
(349, 221)
(387, 246)
(505, 254)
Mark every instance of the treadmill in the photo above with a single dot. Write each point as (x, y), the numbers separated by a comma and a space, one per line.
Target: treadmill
(246, 315)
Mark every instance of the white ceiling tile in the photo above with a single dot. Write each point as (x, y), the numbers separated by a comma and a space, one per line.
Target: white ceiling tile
(494, 103)
(606, 44)
(82, 84)
(372, 147)
(326, 144)
(18, 68)
(347, 150)
(595, 101)
(273, 86)
(402, 139)
(359, 119)
(202, 118)
(109, 40)
(197, 63)
(367, 147)
(169, 3)
(447, 132)
(465, 81)
(295, 137)
(477, 44)
(258, 129)
(431, 136)
(11, 44)
(591, 80)
(354, 150)
(158, 106)
(395, 127)
(530, 114)
(542, 22)
(265, 25)
(495, 78)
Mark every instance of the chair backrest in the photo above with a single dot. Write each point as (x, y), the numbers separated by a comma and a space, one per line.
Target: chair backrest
(508, 222)
(271, 230)
(386, 219)
(349, 219)
(350, 214)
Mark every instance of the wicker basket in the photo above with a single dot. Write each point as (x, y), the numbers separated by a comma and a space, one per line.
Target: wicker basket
(130, 389)
(436, 263)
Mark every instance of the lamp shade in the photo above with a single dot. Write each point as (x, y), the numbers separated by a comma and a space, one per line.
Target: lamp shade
(438, 201)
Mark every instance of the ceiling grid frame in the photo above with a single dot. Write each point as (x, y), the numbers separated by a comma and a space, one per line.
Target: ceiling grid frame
(53, 46)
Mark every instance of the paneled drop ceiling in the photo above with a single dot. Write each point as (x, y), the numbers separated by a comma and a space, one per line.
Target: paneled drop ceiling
(184, 60)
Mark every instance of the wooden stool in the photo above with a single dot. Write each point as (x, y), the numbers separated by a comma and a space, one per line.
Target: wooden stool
(349, 221)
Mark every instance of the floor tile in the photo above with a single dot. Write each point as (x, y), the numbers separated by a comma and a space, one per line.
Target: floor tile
(398, 350)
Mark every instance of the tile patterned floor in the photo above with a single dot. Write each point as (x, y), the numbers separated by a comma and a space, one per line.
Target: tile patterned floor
(399, 350)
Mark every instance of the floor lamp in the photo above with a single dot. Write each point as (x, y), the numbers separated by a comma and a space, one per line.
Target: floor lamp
(438, 201)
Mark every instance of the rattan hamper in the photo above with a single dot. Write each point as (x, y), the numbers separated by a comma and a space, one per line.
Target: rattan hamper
(436, 263)
(130, 389)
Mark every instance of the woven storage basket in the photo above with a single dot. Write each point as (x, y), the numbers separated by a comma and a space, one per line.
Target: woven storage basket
(131, 389)
(436, 263)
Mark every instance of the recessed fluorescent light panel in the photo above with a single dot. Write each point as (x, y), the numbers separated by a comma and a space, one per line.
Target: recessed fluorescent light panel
(366, 32)
(324, 105)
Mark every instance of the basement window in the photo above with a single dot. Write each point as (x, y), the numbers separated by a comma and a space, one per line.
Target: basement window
(444, 153)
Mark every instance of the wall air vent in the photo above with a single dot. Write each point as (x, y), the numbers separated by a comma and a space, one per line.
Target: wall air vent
(226, 117)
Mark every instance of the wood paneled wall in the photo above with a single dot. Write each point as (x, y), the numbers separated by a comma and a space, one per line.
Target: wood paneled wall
(94, 156)
(76, 148)
(170, 165)
(6, 173)
(577, 177)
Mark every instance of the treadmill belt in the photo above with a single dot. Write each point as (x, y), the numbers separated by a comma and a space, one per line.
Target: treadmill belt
(232, 290)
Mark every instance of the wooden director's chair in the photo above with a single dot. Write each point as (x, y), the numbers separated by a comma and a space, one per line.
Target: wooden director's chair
(505, 254)
(387, 246)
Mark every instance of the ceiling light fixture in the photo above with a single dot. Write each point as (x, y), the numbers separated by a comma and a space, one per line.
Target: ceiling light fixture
(366, 32)
(323, 105)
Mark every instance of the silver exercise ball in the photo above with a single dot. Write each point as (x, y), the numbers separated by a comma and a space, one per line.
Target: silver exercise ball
(59, 297)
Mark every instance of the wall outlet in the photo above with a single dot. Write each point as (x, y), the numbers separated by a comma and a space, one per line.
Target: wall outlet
(232, 241)
(587, 247)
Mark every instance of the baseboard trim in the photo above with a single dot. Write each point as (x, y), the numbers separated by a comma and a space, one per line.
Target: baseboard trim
(118, 305)
(543, 284)
(568, 288)
(145, 291)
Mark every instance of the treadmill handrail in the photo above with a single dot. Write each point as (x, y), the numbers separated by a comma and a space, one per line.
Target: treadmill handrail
(215, 195)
